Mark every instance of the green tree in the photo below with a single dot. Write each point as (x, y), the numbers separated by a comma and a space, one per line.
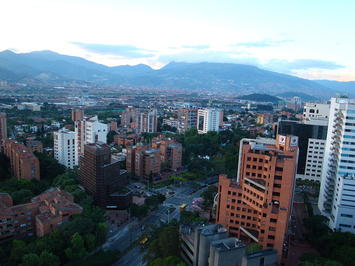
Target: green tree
(18, 250)
(22, 196)
(48, 259)
(77, 250)
(30, 259)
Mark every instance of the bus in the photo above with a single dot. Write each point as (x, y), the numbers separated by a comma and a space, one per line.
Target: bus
(183, 207)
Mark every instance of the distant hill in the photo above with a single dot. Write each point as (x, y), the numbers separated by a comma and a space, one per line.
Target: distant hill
(217, 77)
(345, 87)
(256, 97)
(303, 96)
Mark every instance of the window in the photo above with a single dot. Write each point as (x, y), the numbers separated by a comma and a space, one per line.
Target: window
(280, 169)
(273, 220)
(271, 237)
(346, 215)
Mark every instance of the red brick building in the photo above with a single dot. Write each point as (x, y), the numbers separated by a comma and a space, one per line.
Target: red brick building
(3, 129)
(24, 164)
(44, 214)
(257, 205)
(35, 145)
(77, 114)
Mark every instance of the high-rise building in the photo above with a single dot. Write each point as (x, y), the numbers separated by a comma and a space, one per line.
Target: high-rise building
(77, 114)
(64, 147)
(256, 206)
(313, 111)
(129, 116)
(102, 178)
(312, 136)
(24, 165)
(208, 120)
(187, 118)
(3, 129)
(170, 151)
(148, 121)
(88, 130)
(147, 162)
(337, 194)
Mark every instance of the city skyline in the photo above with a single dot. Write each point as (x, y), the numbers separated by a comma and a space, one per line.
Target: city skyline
(306, 39)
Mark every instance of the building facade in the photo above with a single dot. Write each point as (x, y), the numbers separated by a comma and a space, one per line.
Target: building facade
(102, 178)
(337, 194)
(35, 145)
(311, 142)
(77, 114)
(88, 130)
(313, 111)
(256, 206)
(3, 129)
(24, 164)
(43, 215)
(208, 120)
(64, 147)
(187, 118)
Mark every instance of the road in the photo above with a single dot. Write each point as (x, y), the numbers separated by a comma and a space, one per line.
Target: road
(121, 239)
(134, 257)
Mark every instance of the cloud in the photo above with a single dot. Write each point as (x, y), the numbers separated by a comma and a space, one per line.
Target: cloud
(196, 56)
(262, 43)
(198, 47)
(129, 51)
(300, 64)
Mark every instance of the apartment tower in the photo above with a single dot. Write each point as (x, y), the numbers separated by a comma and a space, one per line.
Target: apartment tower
(3, 128)
(256, 207)
(208, 120)
(337, 193)
(64, 147)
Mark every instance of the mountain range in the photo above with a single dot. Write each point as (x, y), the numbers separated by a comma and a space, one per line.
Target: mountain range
(48, 66)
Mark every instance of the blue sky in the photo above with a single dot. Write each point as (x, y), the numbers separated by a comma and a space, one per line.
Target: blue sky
(312, 39)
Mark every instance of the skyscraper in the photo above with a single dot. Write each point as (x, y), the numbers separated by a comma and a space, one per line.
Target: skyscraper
(187, 118)
(148, 121)
(337, 193)
(208, 120)
(64, 147)
(257, 205)
(88, 130)
(102, 178)
(3, 128)
(312, 136)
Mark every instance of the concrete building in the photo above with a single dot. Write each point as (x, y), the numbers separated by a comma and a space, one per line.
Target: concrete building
(256, 206)
(3, 129)
(24, 165)
(147, 162)
(170, 151)
(113, 126)
(88, 130)
(208, 120)
(147, 122)
(173, 122)
(77, 114)
(313, 111)
(129, 116)
(64, 147)
(337, 194)
(102, 178)
(187, 118)
(35, 145)
(43, 215)
(263, 119)
(311, 142)
(209, 245)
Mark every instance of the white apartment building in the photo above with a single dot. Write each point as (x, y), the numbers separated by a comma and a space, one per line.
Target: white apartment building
(88, 130)
(314, 160)
(64, 147)
(208, 119)
(337, 192)
(316, 111)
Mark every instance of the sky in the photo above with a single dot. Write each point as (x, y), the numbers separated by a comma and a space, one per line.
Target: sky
(313, 39)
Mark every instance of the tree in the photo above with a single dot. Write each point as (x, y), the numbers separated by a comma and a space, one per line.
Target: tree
(208, 196)
(30, 259)
(110, 136)
(18, 250)
(77, 249)
(48, 259)
(22, 196)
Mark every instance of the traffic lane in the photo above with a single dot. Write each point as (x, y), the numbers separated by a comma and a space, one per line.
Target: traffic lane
(134, 257)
